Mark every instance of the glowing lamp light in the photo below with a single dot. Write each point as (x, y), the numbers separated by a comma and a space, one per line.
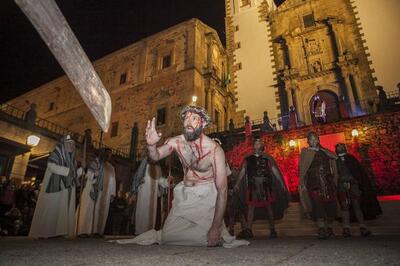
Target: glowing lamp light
(354, 133)
(33, 140)
(194, 99)
(292, 143)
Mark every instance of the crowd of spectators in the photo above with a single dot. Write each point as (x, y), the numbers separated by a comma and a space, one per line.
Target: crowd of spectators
(17, 206)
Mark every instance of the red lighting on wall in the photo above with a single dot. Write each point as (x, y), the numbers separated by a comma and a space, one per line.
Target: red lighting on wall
(376, 148)
(389, 198)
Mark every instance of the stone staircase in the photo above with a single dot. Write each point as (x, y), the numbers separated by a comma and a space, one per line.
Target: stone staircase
(293, 224)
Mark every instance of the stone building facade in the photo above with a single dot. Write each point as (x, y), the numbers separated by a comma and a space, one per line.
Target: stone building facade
(15, 153)
(154, 77)
(25, 160)
(319, 56)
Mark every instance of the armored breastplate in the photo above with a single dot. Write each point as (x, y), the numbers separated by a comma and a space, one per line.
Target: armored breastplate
(319, 176)
(258, 170)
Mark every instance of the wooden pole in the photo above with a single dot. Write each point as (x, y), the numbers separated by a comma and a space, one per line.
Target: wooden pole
(81, 180)
(48, 20)
(169, 186)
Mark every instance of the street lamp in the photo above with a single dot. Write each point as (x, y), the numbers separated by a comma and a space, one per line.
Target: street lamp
(354, 133)
(194, 99)
(292, 143)
(32, 140)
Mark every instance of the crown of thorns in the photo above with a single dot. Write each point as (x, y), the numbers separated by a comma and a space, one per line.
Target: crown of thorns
(197, 110)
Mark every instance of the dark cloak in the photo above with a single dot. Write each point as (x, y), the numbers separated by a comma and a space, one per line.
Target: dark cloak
(278, 187)
(368, 201)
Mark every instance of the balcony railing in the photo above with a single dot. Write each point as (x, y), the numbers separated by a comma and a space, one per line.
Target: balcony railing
(365, 107)
(57, 129)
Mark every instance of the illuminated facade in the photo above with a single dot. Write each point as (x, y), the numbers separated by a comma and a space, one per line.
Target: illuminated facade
(317, 54)
(154, 77)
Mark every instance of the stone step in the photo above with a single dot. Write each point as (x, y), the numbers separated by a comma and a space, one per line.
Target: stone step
(293, 223)
(312, 229)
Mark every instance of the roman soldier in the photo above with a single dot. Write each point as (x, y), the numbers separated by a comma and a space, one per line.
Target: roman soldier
(356, 191)
(317, 189)
(266, 188)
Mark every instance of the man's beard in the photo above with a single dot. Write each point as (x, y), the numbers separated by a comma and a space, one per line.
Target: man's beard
(195, 134)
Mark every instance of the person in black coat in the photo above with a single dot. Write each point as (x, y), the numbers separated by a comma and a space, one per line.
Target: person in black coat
(356, 191)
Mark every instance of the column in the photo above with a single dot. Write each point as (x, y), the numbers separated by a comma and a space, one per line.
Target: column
(286, 53)
(350, 97)
(134, 142)
(332, 28)
(298, 104)
(335, 31)
(288, 89)
(207, 99)
(19, 167)
(211, 110)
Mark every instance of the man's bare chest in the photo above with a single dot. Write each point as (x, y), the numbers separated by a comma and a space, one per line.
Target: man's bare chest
(195, 158)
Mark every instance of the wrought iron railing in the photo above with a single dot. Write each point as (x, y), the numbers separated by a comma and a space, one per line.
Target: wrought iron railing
(57, 129)
(366, 106)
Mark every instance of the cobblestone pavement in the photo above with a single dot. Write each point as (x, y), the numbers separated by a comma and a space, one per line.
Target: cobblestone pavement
(375, 250)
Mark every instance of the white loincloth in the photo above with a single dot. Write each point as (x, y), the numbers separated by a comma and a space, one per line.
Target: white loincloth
(189, 220)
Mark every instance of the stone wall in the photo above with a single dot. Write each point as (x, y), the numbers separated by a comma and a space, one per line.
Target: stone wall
(16, 130)
(19, 134)
(377, 147)
(139, 84)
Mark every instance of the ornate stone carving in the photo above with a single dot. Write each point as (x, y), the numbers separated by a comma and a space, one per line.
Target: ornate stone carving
(313, 47)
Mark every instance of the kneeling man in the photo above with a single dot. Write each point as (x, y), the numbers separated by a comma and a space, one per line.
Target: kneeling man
(196, 217)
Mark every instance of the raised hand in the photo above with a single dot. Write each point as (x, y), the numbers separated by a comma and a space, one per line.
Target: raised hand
(152, 137)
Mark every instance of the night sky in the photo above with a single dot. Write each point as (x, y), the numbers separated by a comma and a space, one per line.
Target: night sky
(101, 27)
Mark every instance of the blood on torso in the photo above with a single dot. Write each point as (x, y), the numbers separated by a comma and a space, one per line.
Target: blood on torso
(197, 160)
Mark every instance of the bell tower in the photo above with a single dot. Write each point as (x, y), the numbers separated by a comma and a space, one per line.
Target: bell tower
(249, 48)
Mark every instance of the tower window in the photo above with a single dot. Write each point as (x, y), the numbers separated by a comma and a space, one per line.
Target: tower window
(238, 45)
(114, 129)
(246, 2)
(161, 116)
(237, 28)
(166, 61)
(51, 106)
(308, 20)
(122, 78)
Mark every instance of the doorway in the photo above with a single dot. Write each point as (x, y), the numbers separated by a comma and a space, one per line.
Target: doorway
(324, 107)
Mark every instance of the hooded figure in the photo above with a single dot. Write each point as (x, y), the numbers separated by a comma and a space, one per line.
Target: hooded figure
(89, 198)
(146, 185)
(55, 209)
